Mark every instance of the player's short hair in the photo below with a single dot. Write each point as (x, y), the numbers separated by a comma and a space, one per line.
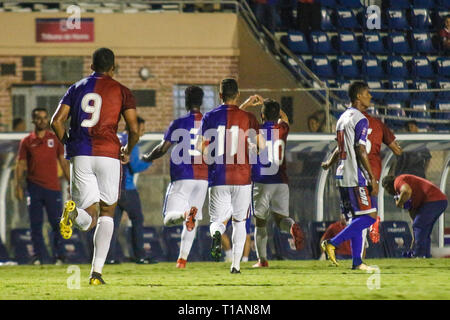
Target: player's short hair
(388, 181)
(103, 60)
(39, 109)
(356, 88)
(229, 89)
(271, 110)
(193, 97)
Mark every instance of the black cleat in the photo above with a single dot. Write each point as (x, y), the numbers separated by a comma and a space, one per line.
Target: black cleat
(216, 248)
(96, 279)
(234, 270)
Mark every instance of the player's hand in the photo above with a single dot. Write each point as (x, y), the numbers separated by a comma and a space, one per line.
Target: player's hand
(124, 155)
(325, 165)
(375, 231)
(19, 193)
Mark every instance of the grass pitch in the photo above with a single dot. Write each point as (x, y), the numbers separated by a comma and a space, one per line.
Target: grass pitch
(284, 280)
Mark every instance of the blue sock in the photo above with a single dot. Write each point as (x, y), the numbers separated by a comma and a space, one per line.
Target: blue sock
(354, 232)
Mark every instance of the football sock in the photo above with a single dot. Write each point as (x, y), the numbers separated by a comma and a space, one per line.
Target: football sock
(354, 232)
(238, 238)
(102, 239)
(286, 224)
(173, 218)
(261, 242)
(187, 238)
(244, 259)
(83, 219)
(217, 226)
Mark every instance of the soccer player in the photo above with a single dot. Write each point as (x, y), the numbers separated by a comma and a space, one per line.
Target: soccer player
(353, 175)
(425, 203)
(94, 105)
(186, 192)
(270, 190)
(224, 141)
(39, 155)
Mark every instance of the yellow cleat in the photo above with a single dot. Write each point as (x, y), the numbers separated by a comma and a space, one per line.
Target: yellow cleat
(328, 248)
(65, 225)
(96, 279)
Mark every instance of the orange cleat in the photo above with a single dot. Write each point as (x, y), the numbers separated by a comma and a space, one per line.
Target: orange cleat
(260, 264)
(181, 263)
(374, 233)
(190, 219)
(298, 236)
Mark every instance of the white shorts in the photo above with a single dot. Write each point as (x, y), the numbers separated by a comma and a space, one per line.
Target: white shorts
(181, 195)
(94, 179)
(230, 201)
(270, 196)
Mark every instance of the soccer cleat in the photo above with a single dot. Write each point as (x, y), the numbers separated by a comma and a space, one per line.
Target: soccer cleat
(190, 219)
(96, 279)
(363, 267)
(298, 236)
(328, 248)
(181, 263)
(216, 248)
(374, 233)
(234, 270)
(66, 222)
(260, 264)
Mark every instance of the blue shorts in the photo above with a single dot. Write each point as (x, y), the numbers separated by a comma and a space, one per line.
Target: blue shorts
(356, 201)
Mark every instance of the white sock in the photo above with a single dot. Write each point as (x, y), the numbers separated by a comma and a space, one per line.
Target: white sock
(228, 255)
(261, 242)
(174, 218)
(187, 238)
(244, 259)
(83, 219)
(102, 239)
(286, 224)
(238, 240)
(217, 226)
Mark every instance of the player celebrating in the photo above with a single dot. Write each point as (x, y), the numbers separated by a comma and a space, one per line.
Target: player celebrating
(186, 192)
(227, 130)
(353, 175)
(271, 191)
(425, 203)
(94, 105)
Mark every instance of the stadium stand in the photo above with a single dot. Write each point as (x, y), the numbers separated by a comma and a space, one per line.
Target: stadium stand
(75, 250)
(396, 238)
(22, 247)
(152, 245)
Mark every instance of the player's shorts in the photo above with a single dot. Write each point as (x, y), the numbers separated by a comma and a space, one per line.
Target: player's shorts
(230, 201)
(270, 196)
(181, 195)
(94, 179)
(356, 201)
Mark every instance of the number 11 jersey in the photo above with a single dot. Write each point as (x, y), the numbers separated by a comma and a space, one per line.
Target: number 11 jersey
(96, 103)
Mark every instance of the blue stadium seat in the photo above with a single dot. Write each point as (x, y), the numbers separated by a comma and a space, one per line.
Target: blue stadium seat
(421, 108)
(317, 229)
(371, 68)
(152, 245)
(355, 4)
(285, 247)
(376, 84)
(22, 247)
(348, 42)
(373, 43)
(422, 84)
(443, 84)
(320, 43)
(328, 3)
(75, 250)
(297, 42)
(346, 19)
(442, 105)
(422, 43)
(347, 67)
(396, 238)
(398, 84)
(443, 3)
(429, 4)
(398, 43)
(421, 19)
(443, 67)
(396, 67)
(396, 20)
(399, 4)
(421, 67)
(344, 85)
(396, 109)
(326, 24)
(322, 67)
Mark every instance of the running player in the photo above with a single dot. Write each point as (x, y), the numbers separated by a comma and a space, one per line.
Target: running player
(227, 130)
(271, 191)
(353, 175)
(94, 105)
(186, 192)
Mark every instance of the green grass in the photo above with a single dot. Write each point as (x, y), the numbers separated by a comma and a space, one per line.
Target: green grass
(286, 280)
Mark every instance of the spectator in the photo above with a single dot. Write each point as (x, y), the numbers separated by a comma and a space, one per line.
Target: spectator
(309, 15)
(39, 154)
(265, 12)
(414, 162)
(316, 121)
(445, 36)
(343, 251)
(18, 125)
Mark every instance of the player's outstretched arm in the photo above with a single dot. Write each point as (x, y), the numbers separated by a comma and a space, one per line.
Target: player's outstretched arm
(395, 147)
(362, 155)
(157, 151)
(252, 101)
(57, 123)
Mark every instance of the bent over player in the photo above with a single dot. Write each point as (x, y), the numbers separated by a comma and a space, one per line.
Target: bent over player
(94, 105)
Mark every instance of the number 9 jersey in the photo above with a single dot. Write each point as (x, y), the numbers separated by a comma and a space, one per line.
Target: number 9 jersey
(96, 103)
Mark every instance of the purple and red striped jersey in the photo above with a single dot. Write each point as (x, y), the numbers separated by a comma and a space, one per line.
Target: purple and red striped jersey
(96, 103)
(183, 131)
(271, 165)
(228, 129)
